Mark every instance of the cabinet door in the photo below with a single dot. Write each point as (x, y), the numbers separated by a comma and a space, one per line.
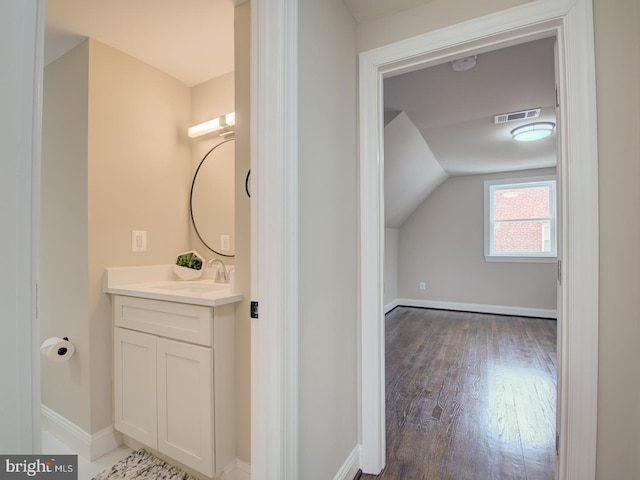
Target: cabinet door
(185, 404)
(135, 385)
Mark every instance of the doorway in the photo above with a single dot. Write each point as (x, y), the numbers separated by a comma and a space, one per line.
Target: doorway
(161, 143)
(578, 347)
(445, 144)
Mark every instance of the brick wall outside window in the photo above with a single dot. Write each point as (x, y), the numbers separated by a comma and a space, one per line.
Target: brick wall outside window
(521, 219)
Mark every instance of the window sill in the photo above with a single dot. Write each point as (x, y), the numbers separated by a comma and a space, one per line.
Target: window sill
(506, 259)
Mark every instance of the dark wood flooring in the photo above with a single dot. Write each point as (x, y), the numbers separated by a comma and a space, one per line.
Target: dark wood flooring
(469, 396)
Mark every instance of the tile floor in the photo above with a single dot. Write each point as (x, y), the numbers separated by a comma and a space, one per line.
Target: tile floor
(86, 470)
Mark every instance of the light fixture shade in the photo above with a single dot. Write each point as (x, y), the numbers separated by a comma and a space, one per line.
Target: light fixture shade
(533, 131)
(213, 125)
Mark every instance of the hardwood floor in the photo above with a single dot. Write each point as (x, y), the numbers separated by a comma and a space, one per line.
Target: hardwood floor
(469, 396)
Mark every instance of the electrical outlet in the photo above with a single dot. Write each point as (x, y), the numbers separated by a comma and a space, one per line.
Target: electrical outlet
(423, 286)
(138, 241)
(224, 243)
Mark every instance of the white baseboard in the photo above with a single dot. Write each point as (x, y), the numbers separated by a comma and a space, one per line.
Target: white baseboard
(240, 471)
(88, 446)
(476, 307)
(350, 466)
(390, 306)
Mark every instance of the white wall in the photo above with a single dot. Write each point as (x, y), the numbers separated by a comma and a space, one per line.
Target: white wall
(328, 413)
(442, 244)
(617, 42)
(617, 47)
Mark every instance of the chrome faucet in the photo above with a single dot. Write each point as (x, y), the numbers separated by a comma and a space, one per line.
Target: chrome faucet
(223, 274)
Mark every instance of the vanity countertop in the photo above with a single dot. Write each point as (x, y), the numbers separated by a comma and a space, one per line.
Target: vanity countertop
(160, 283)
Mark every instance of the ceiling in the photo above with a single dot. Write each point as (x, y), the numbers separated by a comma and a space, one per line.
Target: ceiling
(191, 40)
(454, 111)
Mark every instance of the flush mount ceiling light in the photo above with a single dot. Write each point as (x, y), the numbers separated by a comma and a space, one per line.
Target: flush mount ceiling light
(533, 131)
(463, 64)
(224, 123)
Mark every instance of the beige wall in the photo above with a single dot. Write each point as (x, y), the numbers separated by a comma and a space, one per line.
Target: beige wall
(63, 289)
(138, 153)
(442, 244)
(134, 175)
(116, 158)
(243, 233)
(617, 46)
(432, 16)
(327, 193)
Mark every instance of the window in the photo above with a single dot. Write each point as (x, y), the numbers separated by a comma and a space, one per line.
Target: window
(520, 220)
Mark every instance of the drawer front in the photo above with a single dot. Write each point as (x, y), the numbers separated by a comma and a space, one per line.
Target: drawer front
(181, 321)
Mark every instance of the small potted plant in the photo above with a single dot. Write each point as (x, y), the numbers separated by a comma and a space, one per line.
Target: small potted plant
(189, 265)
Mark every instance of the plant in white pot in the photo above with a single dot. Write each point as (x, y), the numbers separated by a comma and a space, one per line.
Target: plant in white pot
(189, 265)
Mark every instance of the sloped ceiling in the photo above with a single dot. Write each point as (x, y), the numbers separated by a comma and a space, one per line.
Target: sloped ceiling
(411, 172)
(452, 114)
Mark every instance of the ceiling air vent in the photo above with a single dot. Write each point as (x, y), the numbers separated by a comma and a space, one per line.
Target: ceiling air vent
(513, 116)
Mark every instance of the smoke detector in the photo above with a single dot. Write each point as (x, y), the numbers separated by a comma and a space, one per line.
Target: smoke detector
(463, 64)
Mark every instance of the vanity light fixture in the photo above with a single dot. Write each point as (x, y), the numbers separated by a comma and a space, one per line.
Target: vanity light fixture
(223, 122)
(533, 131)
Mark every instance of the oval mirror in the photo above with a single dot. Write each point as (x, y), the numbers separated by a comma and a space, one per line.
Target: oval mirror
(212, 199)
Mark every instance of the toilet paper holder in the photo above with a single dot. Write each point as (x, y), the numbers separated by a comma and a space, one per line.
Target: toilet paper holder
(63, 350)
(57, 349)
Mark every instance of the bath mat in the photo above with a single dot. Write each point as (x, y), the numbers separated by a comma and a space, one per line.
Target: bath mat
(141, 465)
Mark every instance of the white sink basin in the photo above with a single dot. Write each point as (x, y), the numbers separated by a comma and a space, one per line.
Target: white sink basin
(192, 287)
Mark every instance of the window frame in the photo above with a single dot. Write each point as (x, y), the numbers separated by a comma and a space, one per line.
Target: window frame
(513, 183)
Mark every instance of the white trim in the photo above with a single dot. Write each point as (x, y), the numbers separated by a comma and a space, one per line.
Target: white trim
(274, 230)
(572, 22)
(489, 223)
(236, 470)
(371, 238)
(480, 308)
(242, 470)
(23, 30)
(351, 465)
(390, 306)
(88, 446)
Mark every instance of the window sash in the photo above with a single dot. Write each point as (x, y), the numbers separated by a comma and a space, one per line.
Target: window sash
(548, 236)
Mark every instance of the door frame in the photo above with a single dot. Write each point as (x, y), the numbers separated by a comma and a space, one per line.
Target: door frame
(274, 239)
(21, 120)
(572, 23)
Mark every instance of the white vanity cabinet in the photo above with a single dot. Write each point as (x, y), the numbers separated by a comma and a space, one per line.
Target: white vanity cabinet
(174, 379)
